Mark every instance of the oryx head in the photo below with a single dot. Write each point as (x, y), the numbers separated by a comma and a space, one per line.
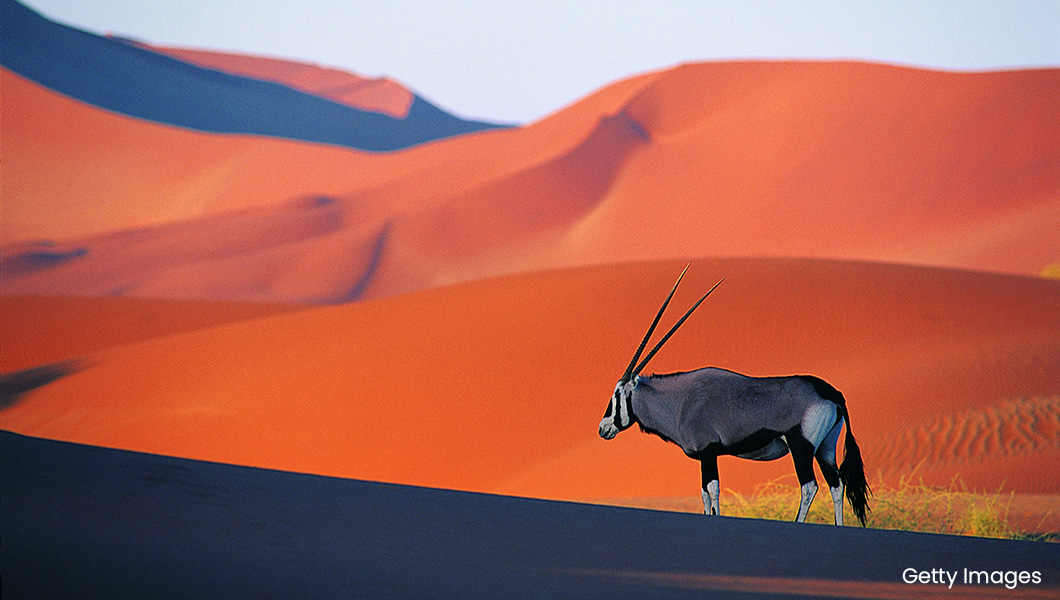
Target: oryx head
(619, 415)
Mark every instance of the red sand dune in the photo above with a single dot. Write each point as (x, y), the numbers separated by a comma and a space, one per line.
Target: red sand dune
(498, 385)
(270, 254)
(81, 171)
(40, 330)
(837, 160)
(68, 151)
(373, 94)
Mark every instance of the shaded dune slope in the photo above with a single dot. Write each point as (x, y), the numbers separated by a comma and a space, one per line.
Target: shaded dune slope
(272, 254)
(498, 385)
(133, 81)
(832, 160)
(373, 94)
(134, 525)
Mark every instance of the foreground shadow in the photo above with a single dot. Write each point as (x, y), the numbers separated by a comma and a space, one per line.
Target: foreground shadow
(88, 522)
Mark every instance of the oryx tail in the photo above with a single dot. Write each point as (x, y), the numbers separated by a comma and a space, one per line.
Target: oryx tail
(852, 471)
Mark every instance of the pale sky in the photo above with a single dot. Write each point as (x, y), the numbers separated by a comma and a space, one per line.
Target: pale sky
(518, 61)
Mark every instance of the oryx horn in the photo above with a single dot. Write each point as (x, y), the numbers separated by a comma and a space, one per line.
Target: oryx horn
(651, 330)
(673, 329)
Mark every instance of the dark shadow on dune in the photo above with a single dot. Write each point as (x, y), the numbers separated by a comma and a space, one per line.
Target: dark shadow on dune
(39, 260)
(14, 385)
(130, 80)
(358, 289)
(88, 522)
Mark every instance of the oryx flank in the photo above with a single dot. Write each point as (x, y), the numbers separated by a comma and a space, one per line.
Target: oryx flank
(710, 412)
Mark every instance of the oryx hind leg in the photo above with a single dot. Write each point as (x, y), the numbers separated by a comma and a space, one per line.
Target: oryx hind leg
(802, 454)
(804, 441)
(826, 459)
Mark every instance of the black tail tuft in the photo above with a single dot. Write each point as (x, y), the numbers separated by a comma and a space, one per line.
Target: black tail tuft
(852, 474)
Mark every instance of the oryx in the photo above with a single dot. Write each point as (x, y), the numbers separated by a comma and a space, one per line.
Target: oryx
(710, 412)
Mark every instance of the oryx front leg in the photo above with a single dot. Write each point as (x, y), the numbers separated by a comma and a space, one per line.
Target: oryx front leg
(711, 488)
(710, 499)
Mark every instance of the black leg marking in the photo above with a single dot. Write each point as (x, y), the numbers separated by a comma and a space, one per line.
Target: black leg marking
(830, 472)
(708, 466)
(802, 451)
(802, 454)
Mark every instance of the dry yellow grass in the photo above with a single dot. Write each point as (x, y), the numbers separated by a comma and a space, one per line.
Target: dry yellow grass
(909, 506)
(1051, 271)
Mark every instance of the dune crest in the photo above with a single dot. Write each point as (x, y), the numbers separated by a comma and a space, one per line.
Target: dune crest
(379, 94)
(63, 183)
(817, 159)
(143, 84)
(504, 224)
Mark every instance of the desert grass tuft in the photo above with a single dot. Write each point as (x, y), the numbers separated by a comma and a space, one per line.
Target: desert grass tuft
(909, 506)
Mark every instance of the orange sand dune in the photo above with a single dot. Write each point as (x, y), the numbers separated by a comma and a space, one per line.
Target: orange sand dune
(309, 250)
(40, 330)
(73, 156)
(374, 94)
(843, 159)
(835, 160)
(498, 385)
(79, 170)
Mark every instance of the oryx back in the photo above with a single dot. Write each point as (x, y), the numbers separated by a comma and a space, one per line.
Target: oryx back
(717, 408)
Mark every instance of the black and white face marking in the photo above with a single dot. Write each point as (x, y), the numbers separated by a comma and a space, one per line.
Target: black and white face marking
(618, 416)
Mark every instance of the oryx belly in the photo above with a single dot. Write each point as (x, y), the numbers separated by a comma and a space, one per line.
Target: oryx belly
(775, 449)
